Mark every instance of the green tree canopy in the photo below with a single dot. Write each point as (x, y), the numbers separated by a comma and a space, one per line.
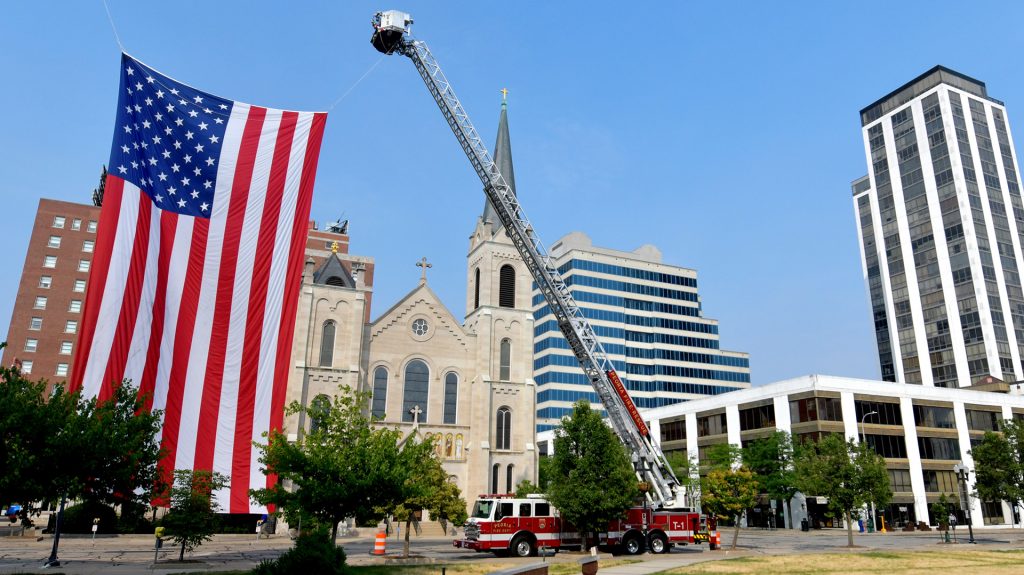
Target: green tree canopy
(999, 463)
(687, 471)
(344, 468)
(849, 474)
(771, 460)
(592, 481)
(193, 516)
(727, 493)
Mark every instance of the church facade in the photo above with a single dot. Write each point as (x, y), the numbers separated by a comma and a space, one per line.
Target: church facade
(465, 383)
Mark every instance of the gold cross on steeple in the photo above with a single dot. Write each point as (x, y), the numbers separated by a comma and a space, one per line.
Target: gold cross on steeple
(504, 94)
(423, 264)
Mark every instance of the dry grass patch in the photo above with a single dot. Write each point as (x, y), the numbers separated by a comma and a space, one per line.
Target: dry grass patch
(561, 568)
(880, 562)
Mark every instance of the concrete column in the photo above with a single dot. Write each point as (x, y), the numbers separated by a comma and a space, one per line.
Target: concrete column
(914, 458)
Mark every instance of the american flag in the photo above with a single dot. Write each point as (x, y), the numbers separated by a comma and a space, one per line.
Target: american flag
(197, 266)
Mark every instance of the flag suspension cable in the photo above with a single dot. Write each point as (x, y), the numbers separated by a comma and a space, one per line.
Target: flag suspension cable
(112, 27)
(353, 86)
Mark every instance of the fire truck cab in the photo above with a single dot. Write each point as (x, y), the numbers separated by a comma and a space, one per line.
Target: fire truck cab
(504, 524)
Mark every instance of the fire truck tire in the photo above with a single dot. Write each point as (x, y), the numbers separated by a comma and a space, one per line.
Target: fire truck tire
(522, 546)
(658, 543)
(633, 544)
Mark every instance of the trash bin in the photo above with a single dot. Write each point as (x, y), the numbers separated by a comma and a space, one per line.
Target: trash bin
(860, 525)
(803, 525)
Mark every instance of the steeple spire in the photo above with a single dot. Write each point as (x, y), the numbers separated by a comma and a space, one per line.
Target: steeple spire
(502, 159)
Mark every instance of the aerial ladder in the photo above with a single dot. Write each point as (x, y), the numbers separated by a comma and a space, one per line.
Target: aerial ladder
(392, 35)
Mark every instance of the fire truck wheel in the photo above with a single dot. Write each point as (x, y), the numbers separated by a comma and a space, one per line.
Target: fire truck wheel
(633, 545)
(522, 547)
(658, 543)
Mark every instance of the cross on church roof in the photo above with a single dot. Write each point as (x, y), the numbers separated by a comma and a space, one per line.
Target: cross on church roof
(415, 411)
(423, 264)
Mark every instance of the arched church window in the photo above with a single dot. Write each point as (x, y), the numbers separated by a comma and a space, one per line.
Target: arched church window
(503, 435)
(380, 392)
(327, 344)
(319, 408)
(494, 478)
(476, 289)
(417, 378)
(448, 446)
(505, 360)
(451, 396)
(508, 479)
(507, 286)
(458, 446)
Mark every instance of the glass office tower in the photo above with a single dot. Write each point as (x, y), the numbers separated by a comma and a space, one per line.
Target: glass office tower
(941, 227)
(648, 317)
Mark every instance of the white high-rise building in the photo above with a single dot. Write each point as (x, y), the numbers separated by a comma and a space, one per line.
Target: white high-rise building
(941, 228)
(648, 317)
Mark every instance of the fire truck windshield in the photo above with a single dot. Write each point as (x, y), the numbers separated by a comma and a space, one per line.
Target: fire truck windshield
(482, 508)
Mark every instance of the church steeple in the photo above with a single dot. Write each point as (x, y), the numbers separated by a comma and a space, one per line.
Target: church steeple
(503, 160)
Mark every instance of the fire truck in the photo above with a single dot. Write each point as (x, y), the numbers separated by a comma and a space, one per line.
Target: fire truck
(665, 517)
(504, 524)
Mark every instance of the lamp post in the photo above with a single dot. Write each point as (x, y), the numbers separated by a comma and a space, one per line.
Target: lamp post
(863, 440)
(962, 471)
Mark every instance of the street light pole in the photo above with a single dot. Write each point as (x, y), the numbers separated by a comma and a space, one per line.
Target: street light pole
(863, 440)
(961, 471)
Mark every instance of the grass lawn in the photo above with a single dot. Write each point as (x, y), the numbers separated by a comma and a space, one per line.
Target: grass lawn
(880, 562)
(567, 568)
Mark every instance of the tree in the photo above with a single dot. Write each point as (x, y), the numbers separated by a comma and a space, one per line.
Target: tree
(345, 468)
(727, 493)
(687, 472)
(427, 487)
(999, 463)
(848, 474)
(193, 516)
(525, 488)
(592, 479)
(722, 456)
(771, 460)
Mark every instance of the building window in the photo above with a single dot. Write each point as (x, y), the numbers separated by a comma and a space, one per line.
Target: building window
(507, 286)
(503, 431)
(417, 379)
(673, 430)
(45, 282)
(420, 327)
(757, 417)
(380, 392)
(40, 302)
(899, 480)
(494, 478)
(931, 416)
(54, 242)
(26, 367)
(505, 365)
(35, 324)
(83, 265)
(979, 420)
(31, 344)
(888, 446)
(940, 482)
(75, 306)
(58, 222)
(91, 228)
(476, 289)
(508, 479)
(888, 413)
(319, 409)
(87, 246)
(71, 326)
(62, 370)
(939, 448)
(65, 348)
(451, 397)
(79, 286)
(76, 224)
(711, 425)
(50, 261)
(327, 344)
(992, 512)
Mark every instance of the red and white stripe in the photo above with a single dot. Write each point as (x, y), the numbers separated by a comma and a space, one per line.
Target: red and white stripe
(200, 313)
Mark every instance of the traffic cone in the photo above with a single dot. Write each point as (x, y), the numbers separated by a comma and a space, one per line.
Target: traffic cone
(379, 543)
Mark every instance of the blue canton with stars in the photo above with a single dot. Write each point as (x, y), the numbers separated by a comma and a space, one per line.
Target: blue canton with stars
(168, 139)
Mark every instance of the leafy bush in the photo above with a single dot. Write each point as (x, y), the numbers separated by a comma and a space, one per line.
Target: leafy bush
(78, 518)
(313, 553)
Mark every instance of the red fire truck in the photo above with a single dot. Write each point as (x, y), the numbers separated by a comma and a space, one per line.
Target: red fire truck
(504, 524)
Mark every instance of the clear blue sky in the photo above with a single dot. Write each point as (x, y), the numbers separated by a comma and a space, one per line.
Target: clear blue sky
(725, 133)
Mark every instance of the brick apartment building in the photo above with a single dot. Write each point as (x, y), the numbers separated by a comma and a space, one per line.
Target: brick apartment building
(47, 311)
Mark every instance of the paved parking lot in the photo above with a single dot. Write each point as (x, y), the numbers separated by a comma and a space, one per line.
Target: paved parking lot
(133, 554)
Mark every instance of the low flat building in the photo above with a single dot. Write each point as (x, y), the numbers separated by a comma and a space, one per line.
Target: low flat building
(921, 431)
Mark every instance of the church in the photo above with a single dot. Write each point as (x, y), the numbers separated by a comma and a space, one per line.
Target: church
(466, 382)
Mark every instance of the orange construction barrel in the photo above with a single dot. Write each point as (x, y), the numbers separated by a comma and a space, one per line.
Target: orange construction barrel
(379, 543)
